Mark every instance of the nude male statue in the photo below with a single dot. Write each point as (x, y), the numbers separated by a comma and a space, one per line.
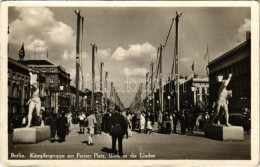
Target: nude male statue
(222, 101)
(34, 101)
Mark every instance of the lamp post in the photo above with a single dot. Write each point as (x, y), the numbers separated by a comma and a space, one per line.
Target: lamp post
(85, 97)
(193, 89)
(169, 98)
(61, 92)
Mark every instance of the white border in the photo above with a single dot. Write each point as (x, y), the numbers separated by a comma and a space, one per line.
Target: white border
(254, 85)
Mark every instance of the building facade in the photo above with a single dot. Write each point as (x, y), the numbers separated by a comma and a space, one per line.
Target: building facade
(237, 62)
(194, 91)
(18, 87)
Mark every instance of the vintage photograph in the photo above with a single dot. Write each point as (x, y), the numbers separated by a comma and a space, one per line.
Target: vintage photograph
(129, 83)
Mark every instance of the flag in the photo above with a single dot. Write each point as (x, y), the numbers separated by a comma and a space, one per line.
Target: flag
(207, 53)
(21, 52)
(192, 67)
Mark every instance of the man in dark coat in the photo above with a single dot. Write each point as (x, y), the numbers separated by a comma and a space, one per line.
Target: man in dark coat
(53, 126)
(62, 127)
(183, 122)
(175, 120)
(118, 128)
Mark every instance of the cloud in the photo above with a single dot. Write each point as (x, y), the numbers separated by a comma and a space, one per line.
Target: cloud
(185, 60)
(104, 54)
(135, 54)
(243, 29)
(37, 28)
(135, 71)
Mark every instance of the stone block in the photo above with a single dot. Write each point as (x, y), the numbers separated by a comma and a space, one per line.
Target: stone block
(224, 133)
(34, 134)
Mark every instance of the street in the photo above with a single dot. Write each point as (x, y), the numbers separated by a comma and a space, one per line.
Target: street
(139, 146)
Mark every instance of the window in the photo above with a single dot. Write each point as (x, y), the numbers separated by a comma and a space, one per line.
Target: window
(51, 80)
(52, 70)
(43, 70)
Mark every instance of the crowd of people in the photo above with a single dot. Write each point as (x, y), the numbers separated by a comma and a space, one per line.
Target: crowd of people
(60, 125)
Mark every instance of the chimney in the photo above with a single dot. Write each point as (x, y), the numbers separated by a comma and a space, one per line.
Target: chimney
(248, 35)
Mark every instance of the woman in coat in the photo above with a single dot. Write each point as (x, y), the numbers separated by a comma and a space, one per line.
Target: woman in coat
(142, 122)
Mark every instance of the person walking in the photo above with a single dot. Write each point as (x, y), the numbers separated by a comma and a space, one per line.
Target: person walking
(125, 116)
(69, 117)
(118, 128)
(99, 122)
(129, 123)
(149, 126)
(53, 126)
(137, 120)
(62, 127)
(91, 121)
(160, 121)
(198, 119)
(175, 120)
(183, 122)
(142, 123)
(81, 118)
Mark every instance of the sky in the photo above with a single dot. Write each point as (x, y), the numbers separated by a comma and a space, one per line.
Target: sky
(127, 39)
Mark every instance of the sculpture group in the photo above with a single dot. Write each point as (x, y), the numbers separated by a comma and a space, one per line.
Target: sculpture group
(222, 101)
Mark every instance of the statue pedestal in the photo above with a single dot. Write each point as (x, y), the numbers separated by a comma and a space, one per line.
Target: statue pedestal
(34, 134)
(224, 133)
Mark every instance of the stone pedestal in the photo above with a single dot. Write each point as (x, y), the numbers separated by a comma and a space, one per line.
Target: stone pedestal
(224, 133)
(34, 134)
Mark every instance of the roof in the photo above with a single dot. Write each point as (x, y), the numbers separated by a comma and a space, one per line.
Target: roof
(10, 60)
(35, 62)
(229, 53)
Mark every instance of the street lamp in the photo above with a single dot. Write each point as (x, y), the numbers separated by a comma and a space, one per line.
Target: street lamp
(61, 98)
(85, 97)
(169, 98)
(193, 88)
(219, 78)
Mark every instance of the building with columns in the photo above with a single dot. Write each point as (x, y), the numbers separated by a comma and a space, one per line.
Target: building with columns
(194, 91)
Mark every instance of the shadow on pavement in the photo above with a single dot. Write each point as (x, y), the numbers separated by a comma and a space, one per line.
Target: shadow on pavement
(196, 135)
(86, 142)
(106, 150)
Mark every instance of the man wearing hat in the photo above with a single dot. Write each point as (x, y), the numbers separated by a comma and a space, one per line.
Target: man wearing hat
(118, 128)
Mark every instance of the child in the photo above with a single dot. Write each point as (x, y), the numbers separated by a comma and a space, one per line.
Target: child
(149, 126)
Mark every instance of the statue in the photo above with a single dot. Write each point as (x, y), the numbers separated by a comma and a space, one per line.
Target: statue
(222, 101)
(34, 101)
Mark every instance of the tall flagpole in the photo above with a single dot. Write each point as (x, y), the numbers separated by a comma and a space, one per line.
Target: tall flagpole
(112, 96)
(106, 90)
(177, 61)
(101, 85)
(152, 88)
(146, 87)
(77, 58)
(208, 58)
(81, 66)
(93, 76)
(160, 77)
